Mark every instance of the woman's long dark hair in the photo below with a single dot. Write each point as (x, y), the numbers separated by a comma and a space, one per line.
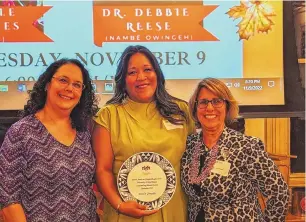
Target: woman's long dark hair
(82, 113)
(164, 101)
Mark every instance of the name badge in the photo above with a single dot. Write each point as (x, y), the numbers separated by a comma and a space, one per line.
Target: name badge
(170, 126)
(221, 167)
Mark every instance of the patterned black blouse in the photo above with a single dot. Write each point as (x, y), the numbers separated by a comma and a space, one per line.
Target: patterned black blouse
(234, 197)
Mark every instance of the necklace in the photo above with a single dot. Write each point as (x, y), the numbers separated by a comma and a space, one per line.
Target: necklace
(195, 177)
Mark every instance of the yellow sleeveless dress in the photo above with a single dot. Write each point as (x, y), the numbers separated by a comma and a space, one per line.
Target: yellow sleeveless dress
(138, 127)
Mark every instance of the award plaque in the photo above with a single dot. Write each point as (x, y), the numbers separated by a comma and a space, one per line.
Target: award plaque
(147, 178)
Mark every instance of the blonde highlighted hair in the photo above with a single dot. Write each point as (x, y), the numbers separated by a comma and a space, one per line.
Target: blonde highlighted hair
(218, 88)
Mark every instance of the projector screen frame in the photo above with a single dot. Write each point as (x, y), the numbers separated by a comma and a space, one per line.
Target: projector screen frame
(294, 93)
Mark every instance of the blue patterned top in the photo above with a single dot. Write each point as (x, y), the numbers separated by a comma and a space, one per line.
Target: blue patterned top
(51, 181)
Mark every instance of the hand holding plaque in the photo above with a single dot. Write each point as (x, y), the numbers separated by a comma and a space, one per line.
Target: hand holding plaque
(147, 178)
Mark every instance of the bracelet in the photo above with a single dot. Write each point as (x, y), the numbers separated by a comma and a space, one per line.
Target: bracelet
(118, 206)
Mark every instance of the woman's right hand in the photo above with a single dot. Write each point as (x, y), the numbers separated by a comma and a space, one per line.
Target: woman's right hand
(134, 209)
(105, 177)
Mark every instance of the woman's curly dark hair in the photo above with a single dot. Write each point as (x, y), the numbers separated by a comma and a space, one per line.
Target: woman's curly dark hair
(82, 113)
(164, 101)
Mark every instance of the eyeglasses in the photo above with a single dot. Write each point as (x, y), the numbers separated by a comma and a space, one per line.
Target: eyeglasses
(77, 86)
(215, 102)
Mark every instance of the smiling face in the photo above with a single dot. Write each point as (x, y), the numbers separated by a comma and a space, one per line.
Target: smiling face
(211, 118)
(61, 95)
(141, 79)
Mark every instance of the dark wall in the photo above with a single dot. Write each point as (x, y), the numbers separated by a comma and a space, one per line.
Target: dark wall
(7, 118)
(297, 145)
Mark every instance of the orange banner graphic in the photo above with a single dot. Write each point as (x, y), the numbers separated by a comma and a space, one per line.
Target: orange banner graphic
(17, 24)
(117, 23)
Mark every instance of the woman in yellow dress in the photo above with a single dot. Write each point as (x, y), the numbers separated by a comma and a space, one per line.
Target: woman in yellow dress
(140, 117)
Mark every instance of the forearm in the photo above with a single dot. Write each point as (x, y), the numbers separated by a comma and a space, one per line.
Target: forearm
(106, 185)
(277, 204)
(14, 213)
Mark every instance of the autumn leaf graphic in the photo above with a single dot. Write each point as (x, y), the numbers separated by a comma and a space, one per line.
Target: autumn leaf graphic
(237, 11)
(255, 17)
